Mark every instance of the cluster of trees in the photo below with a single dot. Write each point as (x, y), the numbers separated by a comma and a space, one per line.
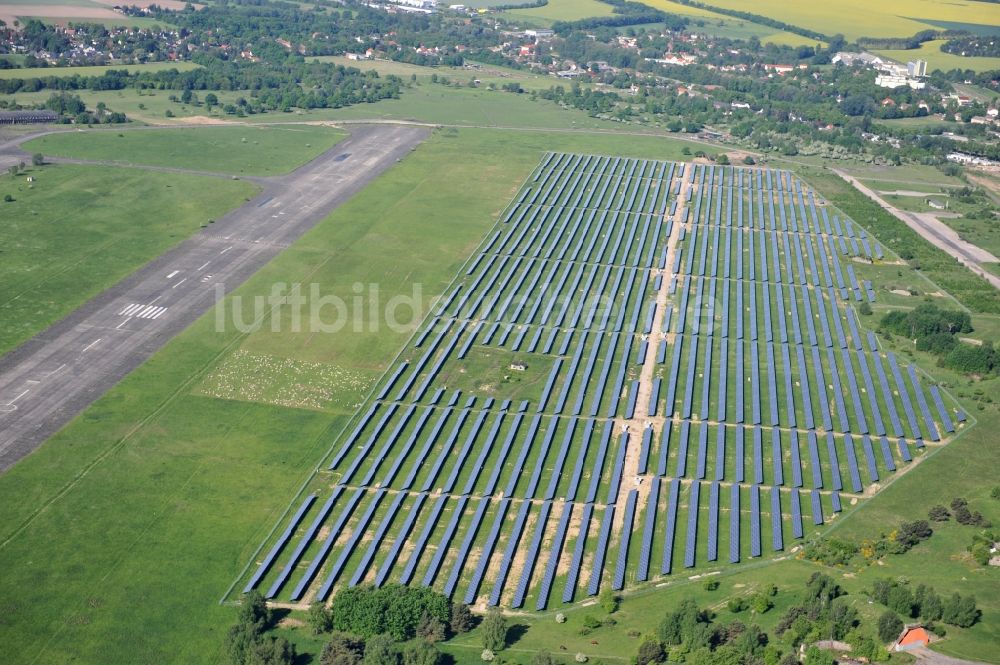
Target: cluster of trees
(973, 45)
(821, 614)
(936, 331)
(72, 109)
(960, 511)
(925, 320)
(273, 86)
(398, 611)
(924, 603)
(247, 642)
(348, 649)
(389, 625)
(691, 634)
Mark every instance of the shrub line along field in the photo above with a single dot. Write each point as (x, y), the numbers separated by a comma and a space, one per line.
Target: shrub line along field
(665, 347)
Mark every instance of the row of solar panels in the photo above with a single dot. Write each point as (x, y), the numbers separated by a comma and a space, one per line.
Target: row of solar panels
(470, 556)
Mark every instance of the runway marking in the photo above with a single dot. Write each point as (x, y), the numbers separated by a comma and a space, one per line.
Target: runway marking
(205, 265)
(146, 311)
(226, 249)
(179, 283)
(26, 391)
(129, 310)
(92, 344)
(57, 369)
(171, 275)
(119, 326)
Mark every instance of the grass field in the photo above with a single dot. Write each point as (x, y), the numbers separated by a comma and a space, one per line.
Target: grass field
(857, 18)
(75, 231)
(39, 72)
(938, 59)
(182, 488)
(242, 150)
(426, 102)
(485, 74)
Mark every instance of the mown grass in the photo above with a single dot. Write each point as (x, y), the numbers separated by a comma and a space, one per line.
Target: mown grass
(236, 150)
(75, 230)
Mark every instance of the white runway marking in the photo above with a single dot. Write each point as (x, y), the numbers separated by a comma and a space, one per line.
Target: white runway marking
(204, 265)
(226, 249)
(119, 326)
(179, 283)
(171, 275)
(27, 390)
(92, 344)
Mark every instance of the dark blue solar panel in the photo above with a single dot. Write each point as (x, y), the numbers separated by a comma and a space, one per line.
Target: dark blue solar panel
(777, 539)
(376, 540)
(668, 543)
(555, 551)
(647, 530)
(692, 525)
(359, 529)
(755, 548)
(401, 536)
(578, 550)
(817, 507)
(470, 535)
(734, 524)
(268, 561)
(508, 556)
(713, 522)
(797, 514)
(626, 536)
(411, 563)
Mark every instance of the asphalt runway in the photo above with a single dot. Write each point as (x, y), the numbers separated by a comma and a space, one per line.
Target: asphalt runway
(58, 373)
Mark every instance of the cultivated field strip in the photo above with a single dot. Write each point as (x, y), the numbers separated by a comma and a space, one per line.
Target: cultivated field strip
(648, 369)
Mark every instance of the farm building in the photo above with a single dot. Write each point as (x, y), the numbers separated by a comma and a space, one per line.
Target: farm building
(913, 637)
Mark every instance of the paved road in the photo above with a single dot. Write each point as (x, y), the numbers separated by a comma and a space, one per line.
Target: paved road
(928, 657)
(55, 375)
(935, 232)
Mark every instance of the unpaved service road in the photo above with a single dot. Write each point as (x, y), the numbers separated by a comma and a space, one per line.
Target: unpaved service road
(58, 373)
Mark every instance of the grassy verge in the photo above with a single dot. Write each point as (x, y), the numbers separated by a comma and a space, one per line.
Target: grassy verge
(74, 231)
(238, 150)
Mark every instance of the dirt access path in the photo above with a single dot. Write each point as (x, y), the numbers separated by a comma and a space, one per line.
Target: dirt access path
(631, 478)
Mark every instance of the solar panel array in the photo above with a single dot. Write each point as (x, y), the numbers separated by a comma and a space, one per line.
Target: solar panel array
(548, 431)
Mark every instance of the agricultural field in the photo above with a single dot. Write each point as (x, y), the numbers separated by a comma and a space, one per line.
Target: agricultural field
(38, 72)
(73, 232)
(236, 150)
(720, 25)
(938, 59)
(64, 12)
(857, 18)
(559, 10)
(590, 343)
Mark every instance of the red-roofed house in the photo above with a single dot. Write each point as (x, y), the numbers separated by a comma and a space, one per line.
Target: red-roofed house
(912, 638)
